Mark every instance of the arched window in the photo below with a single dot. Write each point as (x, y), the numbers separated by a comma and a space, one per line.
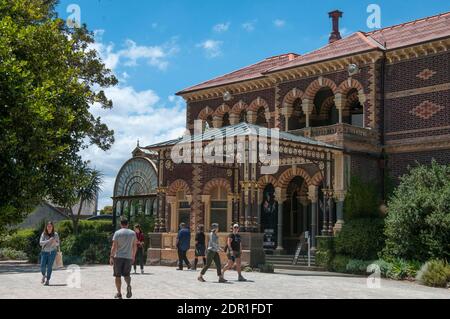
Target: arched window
(356, 109)
(183, 208)
(243, 117)
(219, 208)
(297, 120)
(226, 120)
(119, 208)
(261, 117)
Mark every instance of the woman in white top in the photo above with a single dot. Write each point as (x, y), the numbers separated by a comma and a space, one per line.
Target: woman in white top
(49, 243)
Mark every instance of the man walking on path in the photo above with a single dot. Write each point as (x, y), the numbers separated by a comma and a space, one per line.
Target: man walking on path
(213, 255)
(123, 252)
(234, 252)
(183, 245)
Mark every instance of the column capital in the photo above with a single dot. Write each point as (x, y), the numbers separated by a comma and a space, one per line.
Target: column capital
(172, 199)
(339, 195)
(307, 106)
(313, 193)
(206, 198)
(280, 195)
(339, 101)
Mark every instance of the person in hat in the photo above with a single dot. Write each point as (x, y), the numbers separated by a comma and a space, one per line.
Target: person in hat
(234, 251)
(213, 255)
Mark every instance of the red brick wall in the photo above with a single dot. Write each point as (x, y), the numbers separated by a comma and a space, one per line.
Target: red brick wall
(404, 76)
(398, 163)
(365, 167)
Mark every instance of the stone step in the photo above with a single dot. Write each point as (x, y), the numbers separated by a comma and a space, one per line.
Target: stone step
(298, 267)
(289, 262)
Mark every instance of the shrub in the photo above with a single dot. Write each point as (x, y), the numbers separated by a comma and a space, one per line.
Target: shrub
(33, 248)
(18, 240)
(384, 266)
(418, 220)
(401, 269)
(323, 258)
(11, 254)
(357, 267)
(434, 273)
(88, 247)
(362, 200)
(361, 238)
(339, 263)
(65, 227)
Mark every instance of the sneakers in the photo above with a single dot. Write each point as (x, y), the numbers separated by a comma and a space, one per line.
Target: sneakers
(242, 278)
(222, 280)
(142, 271)
(47, 283)
(129, 294)
(43, 280)
(118, 296)
(201, 279)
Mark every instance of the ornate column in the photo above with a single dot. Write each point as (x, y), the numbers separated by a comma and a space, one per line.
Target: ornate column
(339, 102)
(206, 199)
(339, 197)
(325, 212)
(280, 198)
(313, 196)
(307, 107)
(259, 196)
(303, 200)
(287, 112)
(251, 117)
(173, 218)
(330, 212)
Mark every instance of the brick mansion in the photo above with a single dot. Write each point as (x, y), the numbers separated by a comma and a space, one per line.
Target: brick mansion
(368, 105)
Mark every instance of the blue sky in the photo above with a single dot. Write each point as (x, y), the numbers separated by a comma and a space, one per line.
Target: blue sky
(157, 48)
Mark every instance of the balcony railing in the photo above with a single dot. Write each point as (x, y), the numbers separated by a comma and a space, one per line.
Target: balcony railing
(340, 134)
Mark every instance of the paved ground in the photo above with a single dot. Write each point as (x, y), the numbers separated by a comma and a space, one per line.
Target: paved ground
(22, 281)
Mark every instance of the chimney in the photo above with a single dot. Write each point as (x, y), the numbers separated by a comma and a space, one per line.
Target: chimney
(335, 34)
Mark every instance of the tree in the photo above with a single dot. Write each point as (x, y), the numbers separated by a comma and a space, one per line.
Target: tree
(78, 187)
(362, 200)
(49, 79)
(107, 210)
(418, 220)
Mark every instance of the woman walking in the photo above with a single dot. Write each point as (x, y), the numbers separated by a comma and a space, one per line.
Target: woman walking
(213, 254)
(200, 246)
(49, 242)
(140, 248)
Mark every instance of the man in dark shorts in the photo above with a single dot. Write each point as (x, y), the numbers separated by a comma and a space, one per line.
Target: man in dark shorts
(234, 251)
(200, 246)
(123, 252)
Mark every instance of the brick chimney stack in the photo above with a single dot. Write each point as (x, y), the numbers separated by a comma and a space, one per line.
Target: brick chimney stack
(335, 34)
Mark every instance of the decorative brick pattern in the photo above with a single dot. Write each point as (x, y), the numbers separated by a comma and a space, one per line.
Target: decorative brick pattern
(426, 74)
(426, 110)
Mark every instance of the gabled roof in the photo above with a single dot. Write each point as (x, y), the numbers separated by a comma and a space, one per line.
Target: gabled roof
(390, 38)
(242, 129)
(250, 72)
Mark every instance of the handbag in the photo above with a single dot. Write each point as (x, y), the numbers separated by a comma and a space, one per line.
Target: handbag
(58, 260)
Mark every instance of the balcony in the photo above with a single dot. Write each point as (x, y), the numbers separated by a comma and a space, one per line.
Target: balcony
(351, 138)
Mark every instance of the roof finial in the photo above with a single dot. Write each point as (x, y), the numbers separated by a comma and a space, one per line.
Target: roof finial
(138, 143)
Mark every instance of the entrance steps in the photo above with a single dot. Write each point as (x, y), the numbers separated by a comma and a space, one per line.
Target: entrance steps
(285, 262)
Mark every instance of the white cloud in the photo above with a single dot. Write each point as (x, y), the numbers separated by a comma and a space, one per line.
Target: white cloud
(279, 23)
(345, 32)
(133, 53)
(212, 48)
(221, 27)
(136, 115)
(249, 26)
